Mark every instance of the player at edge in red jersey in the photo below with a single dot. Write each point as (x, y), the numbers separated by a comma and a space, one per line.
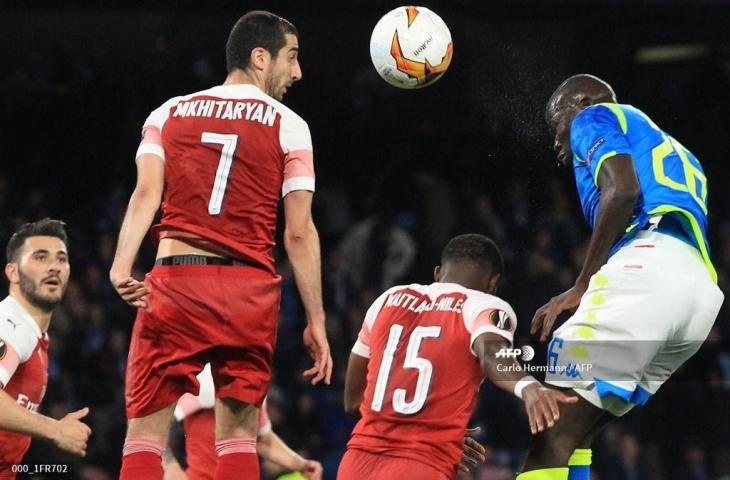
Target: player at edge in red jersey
(218, 162)
(38, 271)
(415, 370)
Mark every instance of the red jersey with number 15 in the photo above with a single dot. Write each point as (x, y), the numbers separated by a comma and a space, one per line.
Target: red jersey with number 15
(423, 376)
(230, 152)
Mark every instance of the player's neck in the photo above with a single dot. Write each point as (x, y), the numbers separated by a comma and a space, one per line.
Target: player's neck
(40, 316)
(241, 77)
(462, 280)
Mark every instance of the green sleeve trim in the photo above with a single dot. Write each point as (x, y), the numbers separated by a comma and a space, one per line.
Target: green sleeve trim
(610, 154)
(620, 115)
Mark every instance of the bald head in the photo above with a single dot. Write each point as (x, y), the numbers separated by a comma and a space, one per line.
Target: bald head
(579, 90)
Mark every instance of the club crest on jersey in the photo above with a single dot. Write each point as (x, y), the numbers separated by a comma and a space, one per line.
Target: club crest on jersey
(593, 149)
(500, 319)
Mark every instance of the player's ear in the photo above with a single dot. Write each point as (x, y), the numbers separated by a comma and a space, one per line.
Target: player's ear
(584, 102)
(259, 58)
(11, 271)
(493, 283)
(437, 273)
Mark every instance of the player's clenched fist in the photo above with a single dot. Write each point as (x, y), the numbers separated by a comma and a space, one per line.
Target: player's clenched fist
(71, 434)
(311, 470)
(541, 404)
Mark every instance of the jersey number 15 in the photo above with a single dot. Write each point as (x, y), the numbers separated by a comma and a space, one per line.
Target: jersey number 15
(424, 367)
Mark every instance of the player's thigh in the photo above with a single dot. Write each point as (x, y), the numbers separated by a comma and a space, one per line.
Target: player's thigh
(242, 359)
(622, 321)
(235, 419)
(154, 426)
(688, 337)
(157, 375)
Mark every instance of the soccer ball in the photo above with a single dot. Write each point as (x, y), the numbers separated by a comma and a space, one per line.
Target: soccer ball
(411, 47)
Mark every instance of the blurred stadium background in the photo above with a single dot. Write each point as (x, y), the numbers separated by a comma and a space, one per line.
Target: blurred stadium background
(399, 172)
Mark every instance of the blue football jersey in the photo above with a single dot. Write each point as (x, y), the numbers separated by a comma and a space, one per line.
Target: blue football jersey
(672, 181)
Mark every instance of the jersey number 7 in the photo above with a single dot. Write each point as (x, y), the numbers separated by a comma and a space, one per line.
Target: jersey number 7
(229, 142)
(424, 367)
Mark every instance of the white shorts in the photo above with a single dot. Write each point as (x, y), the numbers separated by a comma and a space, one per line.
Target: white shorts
(644, 314)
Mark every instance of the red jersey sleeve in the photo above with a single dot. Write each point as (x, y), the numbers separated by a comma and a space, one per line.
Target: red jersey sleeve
(152, 130)
(296, 143)
(19, 336)
(486, 313)
(9, 361)
(362, 344)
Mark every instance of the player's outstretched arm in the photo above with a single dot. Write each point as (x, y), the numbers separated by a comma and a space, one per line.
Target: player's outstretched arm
(143, 205)
(271, 447)
(541, 403)
(619, 191)
(69, 433)
(355, 383)
(301, 242)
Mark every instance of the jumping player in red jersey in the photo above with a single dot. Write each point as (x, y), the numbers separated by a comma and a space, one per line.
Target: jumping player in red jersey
(38, 272)
(219, 161)
(416, 367)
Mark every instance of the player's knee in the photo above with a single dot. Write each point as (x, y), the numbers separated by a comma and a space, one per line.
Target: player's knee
(552, 448)
(155, 430)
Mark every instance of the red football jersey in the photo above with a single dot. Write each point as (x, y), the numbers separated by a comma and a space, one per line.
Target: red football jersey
(23, 372)
(423, 376)
(231, 152)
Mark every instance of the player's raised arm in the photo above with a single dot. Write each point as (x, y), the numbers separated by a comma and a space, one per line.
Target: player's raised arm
(143, 205)
(301, 242)
(541, 403)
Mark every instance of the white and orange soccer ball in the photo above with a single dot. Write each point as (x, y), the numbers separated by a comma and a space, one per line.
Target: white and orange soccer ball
(411, 47)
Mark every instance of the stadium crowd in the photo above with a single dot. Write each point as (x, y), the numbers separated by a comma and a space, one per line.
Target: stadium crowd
(376, 232)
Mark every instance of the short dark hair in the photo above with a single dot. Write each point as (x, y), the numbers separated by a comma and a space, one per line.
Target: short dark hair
(46, 227)
(475, 248)
(257, 28)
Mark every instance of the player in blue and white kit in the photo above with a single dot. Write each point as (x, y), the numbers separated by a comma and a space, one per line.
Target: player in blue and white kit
(646, 297)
